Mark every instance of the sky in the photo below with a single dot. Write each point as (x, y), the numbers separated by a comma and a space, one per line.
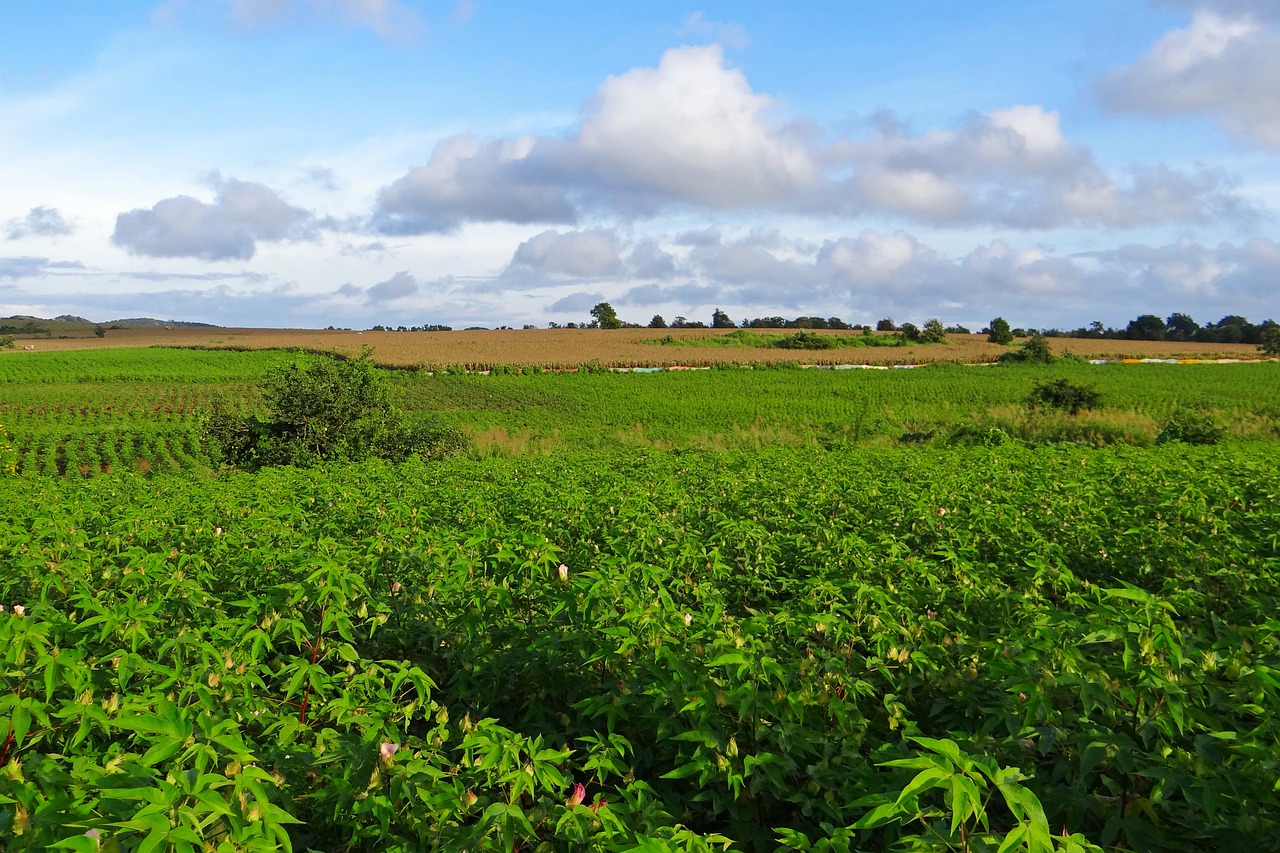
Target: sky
(314, 163)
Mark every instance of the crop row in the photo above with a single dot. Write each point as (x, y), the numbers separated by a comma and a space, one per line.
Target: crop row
(95, 452)
(717, 647)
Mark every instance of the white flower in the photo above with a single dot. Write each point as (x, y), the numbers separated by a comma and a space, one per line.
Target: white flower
(688, 619)
(19, 610)
(563, 571)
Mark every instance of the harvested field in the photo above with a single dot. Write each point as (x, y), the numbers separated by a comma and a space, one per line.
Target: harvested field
(565, 348)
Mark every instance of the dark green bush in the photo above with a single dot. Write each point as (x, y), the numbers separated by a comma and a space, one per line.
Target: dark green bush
(806, 340)
(1192, 428)
(1064, 395)
(323, 409)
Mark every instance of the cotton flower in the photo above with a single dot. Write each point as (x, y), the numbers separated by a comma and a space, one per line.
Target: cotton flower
(688, 619)
(19, 610)
(395, 587)
(576, 796)
(563, 571)
(388, 751)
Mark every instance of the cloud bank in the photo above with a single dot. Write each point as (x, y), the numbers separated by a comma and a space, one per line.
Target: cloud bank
(691, 134)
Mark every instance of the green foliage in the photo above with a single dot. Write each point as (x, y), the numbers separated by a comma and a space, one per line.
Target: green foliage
(1269, 342)
(933, 332)
(910, 333)
(721, 320)
(7, 342)
(323, 409)
(999, 332)
(986, 641)
(1034, 350)
(1064, 395)
(1191, 427)
(605, 317)
(806, 340)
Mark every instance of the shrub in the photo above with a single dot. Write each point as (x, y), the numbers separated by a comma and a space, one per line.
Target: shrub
(1192, 428)
(1034, 350)
(1064, 395)
(323, 409)
(806, 340)
(969, 435)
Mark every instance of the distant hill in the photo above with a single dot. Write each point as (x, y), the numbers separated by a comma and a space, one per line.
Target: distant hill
(132, 322)
(126, 323)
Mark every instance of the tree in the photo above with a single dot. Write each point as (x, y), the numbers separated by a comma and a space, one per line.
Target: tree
(886, 325)
(1147, 327)
(934, 332)
(720, 320)
(605, 316)
(100, 331)
(1269, 338)
(1180, 327)
(999, 332)
(323, 409)
(910, 332)
(657, 322)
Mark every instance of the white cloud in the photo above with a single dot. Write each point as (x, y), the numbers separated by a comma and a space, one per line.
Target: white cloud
(1015, 167)
(1220, 65)
(468, 179)
(576, 254)
(692, 130)
(39, 222)
(242, 214)
(691, 134)
(399, 286)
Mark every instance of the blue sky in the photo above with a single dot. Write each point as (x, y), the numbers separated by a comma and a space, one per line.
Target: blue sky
(306, 163)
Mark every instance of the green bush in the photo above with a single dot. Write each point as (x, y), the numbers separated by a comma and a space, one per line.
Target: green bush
(1065, 395)
(1034, 350)
(806, 340)
(323, 409)
(1191, 428)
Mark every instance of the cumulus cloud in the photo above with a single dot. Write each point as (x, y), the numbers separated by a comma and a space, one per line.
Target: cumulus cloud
(690, 131)
(388, 19)
(39, 222)
(576, 302)
(242, 214)
(692, 134)
(399, 286)
(472, 180)
(575, 254)
(1224, 64)
(1015, 167)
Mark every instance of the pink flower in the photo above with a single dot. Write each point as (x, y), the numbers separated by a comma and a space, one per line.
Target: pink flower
(94, 834)
(395, 587)
(388, 751)
(576, 796)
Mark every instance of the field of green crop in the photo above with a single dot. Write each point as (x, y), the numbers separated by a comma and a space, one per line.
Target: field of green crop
(728, 609)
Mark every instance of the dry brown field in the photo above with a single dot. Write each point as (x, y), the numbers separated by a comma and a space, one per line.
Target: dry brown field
(568, 348)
